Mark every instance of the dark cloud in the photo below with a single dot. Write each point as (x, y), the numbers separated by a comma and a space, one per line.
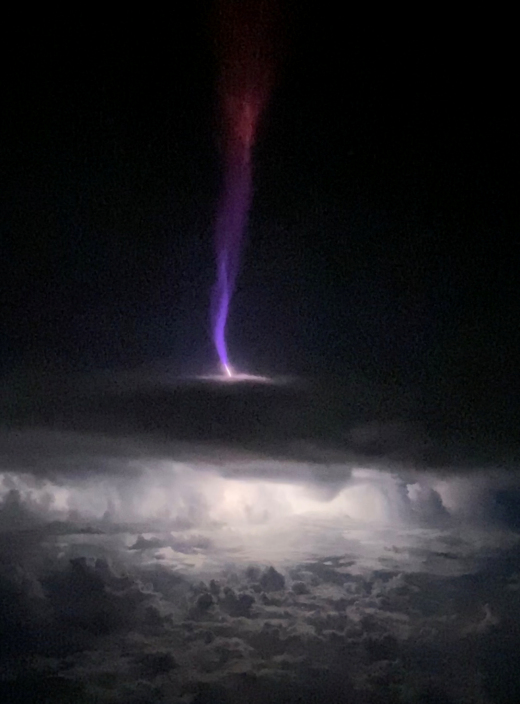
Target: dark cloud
(150, 412)
(272, 581)
(155, 663)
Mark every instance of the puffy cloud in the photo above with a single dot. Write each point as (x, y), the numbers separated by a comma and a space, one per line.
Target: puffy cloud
(272, 581)
(183, 543)
(166, 633)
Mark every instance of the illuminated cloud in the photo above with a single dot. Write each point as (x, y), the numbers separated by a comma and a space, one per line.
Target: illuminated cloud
(151, 547)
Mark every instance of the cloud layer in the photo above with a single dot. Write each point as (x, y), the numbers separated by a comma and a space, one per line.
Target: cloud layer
(193, 542)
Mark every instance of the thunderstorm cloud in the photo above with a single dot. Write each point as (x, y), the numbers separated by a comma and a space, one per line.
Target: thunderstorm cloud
(198, 540)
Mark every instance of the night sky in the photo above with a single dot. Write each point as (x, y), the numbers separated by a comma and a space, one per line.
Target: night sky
(381, 236)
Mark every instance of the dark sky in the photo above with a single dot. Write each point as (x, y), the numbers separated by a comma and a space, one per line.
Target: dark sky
(381, 239)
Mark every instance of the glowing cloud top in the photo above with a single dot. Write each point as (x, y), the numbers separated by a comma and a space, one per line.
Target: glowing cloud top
(245, 43)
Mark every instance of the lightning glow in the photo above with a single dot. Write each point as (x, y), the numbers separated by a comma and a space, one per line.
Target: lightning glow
(198, 515)
(245, 39)
(228, 376)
